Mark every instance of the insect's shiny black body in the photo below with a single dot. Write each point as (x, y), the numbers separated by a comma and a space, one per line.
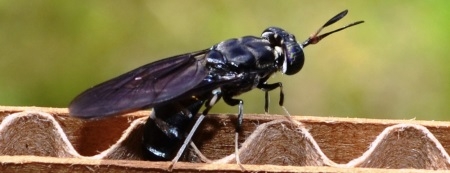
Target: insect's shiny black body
(164, 130)
(177, 87)
(233, 67)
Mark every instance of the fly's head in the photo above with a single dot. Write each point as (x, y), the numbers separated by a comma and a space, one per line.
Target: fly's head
(289, 54)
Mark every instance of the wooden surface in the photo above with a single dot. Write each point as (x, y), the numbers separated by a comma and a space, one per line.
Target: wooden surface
(33, 138)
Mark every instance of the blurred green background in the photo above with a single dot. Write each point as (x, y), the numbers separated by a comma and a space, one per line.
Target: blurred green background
(393, 66)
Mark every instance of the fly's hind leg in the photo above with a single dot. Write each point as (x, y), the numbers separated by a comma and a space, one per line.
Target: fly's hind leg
(233, 102)
(216, 95)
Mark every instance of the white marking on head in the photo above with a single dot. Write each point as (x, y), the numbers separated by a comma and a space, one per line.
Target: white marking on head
(284, 68)
(266, 34)
(278, 51)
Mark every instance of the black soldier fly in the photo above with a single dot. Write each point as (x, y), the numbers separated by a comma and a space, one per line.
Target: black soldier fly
(177, 87)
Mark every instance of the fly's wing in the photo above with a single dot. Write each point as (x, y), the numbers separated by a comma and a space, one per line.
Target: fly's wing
(143, 87)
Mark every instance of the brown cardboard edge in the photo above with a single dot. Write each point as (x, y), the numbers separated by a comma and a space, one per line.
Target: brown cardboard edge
(52, 110)
(328, 119)
(35, 164)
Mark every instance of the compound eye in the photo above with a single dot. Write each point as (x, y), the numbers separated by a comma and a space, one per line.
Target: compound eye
(294, 59)
(292, 38)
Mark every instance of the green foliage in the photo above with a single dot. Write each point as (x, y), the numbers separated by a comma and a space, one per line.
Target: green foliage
(392, 66)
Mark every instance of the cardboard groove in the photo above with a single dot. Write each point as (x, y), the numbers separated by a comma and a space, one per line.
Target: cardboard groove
(53, 143)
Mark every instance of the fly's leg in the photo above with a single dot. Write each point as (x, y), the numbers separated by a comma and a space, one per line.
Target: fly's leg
(269, 87)
(233, 102)
(216, 95)
(186, 141)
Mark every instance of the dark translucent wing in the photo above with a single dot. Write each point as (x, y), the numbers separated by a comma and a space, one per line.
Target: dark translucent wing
(143, 87)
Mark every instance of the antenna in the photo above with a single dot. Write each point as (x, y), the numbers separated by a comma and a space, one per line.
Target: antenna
(315, 38)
